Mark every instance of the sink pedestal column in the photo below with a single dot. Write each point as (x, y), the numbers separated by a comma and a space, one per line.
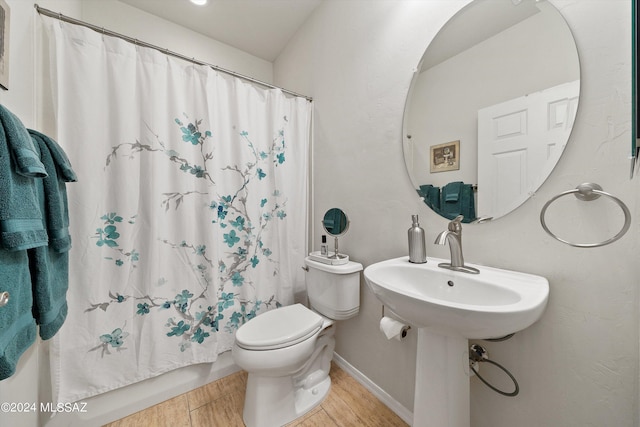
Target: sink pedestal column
(442, 380)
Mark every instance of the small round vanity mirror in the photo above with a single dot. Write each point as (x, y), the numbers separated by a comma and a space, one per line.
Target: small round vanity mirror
(491, 107)
(335, 222)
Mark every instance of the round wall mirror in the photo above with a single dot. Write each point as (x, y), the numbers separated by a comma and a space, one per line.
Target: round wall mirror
(491, 107)
(335, 222)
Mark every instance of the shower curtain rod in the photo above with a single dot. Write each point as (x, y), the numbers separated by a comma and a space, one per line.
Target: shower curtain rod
(135, 41)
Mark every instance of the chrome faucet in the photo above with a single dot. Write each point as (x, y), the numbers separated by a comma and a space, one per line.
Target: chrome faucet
(453, 236)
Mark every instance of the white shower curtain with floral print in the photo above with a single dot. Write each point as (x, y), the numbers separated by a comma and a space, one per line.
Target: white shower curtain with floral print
(190, 212)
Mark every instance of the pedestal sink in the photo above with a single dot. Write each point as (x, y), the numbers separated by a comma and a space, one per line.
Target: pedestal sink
(448, 308)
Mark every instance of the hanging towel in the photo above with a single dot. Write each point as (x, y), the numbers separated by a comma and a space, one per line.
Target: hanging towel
(59, 157)
(25, 157)
(17, 326)
(457, 198)
(49, 265)
(451, 193)
(49, 283)
(56, 213)
(21, 225)
(467, 203)
(431, 196)
(450, 200)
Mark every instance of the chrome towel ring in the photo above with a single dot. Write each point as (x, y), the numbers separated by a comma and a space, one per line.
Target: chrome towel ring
(588, 192)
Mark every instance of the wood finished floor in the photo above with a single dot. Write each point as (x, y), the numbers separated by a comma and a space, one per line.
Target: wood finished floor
(219, 404)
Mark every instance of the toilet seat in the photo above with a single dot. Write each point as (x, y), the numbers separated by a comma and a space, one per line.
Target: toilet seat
(279, 328)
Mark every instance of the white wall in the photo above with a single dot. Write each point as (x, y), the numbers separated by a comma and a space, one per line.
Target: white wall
(29, 98)
(578, 366)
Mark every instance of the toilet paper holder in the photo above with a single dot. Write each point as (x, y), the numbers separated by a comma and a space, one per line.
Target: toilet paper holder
(404, 331)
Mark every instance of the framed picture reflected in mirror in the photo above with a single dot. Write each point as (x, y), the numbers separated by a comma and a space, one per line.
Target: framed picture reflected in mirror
(445, 157)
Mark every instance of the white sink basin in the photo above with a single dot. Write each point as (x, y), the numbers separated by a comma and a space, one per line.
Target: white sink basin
(492, 304)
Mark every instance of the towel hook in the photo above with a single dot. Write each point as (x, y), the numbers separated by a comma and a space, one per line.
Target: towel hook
(4, 298)
(588, 192)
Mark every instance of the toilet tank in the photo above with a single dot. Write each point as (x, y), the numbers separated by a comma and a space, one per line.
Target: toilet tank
(334, 290)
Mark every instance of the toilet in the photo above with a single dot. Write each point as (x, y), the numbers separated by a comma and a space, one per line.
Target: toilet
(287, 351)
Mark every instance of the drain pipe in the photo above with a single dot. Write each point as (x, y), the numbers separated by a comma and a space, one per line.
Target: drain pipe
(477, 355)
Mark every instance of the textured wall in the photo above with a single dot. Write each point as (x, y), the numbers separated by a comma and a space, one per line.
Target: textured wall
(578, 365)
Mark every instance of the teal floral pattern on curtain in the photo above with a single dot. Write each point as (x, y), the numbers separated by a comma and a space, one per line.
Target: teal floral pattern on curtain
(189, 316)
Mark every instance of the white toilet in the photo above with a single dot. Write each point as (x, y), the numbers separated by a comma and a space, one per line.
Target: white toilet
(287, 352)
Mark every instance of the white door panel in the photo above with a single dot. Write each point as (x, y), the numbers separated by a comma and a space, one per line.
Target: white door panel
(519, 142)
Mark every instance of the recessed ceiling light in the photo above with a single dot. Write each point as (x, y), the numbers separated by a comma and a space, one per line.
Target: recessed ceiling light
(199, 2)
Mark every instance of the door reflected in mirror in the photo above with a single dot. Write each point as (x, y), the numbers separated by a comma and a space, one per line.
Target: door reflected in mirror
(502, 78)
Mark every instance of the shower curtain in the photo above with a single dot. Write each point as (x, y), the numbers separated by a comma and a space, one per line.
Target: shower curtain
(189, 217)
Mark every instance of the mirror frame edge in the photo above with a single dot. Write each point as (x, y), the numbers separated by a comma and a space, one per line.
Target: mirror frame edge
(635, 118)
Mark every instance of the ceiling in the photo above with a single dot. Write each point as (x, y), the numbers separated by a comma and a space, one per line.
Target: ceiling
(260, 27)
(474, 24)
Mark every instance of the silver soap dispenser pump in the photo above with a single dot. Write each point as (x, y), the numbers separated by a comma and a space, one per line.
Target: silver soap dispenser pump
(417, 246)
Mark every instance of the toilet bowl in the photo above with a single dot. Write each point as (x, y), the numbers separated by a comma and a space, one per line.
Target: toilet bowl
(287, 352)
(288, 356)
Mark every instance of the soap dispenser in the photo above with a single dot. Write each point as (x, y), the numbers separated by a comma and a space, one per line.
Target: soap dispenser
(417, 246)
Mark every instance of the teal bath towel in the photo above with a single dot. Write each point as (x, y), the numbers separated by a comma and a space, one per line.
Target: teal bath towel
(58, 156)
(55, 212)
(17, 326)
(50, 265)
(25, 157)
(21, 225)
(49, 282)
(457, 198)
(431, 196)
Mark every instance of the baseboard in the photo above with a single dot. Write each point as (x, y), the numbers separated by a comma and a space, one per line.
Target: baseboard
(383, 396)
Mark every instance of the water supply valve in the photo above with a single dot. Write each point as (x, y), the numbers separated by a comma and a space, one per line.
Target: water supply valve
(477, 353)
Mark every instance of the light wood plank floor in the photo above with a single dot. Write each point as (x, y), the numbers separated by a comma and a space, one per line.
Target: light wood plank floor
(219, 404)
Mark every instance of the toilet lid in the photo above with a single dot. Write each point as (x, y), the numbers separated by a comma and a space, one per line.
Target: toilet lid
(279, 328)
